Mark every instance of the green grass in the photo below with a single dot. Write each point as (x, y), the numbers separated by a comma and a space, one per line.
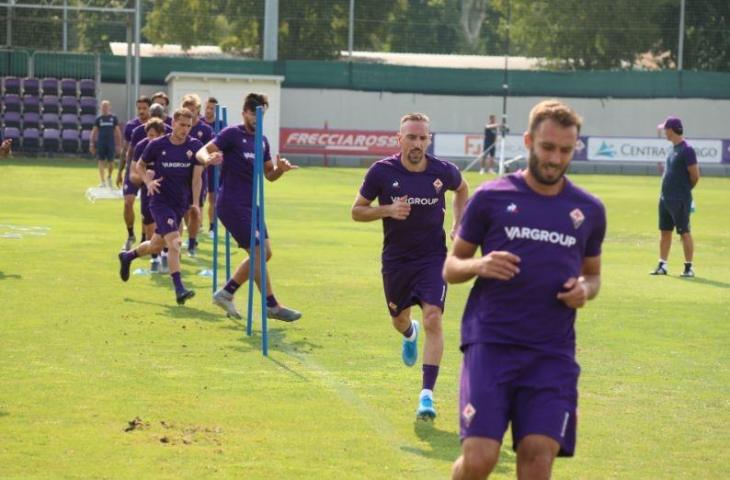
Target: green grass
(83, 353)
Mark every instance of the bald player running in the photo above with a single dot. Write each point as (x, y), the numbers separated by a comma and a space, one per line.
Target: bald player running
(410, 188)
(540, 238)
(173, 179)
(235, 146)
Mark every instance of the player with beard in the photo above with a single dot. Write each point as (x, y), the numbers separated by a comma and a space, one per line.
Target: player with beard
(410, 188)
(540, 237)
(235, 145)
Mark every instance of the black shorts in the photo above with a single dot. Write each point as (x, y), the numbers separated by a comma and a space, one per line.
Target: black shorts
(105, 151)
(674, 214)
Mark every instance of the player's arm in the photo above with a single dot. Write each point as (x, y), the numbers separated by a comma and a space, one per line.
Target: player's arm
(694, 174)
(197, 184)
(92, 140)
(273, 173)
(461, 266)
(461, 195)
(210, 154)
(117, 140)
(364, 211)
(577, 291)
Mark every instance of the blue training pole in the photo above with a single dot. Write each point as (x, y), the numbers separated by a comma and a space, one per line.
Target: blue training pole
(216, 129)
(228, 234)
(259, 158)
(252, 242)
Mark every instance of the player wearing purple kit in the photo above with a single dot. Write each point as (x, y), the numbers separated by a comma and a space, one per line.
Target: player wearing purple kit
(235, 146)
(204, 133)
(210, 111)
(540, 238)
(164, 100)
(154, 128)
(410, 188)
(129, 189)
(173, 179)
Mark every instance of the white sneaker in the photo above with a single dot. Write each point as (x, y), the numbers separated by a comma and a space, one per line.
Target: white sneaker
(481, 171)
(224, 299)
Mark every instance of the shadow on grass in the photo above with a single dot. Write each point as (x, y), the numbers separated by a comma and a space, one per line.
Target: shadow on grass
(704, 281)
(59, 161)
(176, 311)
(10, 276)
(446, 446)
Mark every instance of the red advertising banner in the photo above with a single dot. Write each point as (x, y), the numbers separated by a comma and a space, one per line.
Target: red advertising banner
(320, 141)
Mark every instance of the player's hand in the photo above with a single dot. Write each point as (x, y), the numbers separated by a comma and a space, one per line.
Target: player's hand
(215, 158)
(119, 180)
(452, 233)
(153, 186)
(575, 293)
(92, 149)
(500, 265)
(400, 209)
(118, 151)
(135, 178)
(284, 165)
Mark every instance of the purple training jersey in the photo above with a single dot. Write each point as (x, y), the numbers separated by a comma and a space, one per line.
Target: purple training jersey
(551, 235)
(129, 128)
(174, 164)
(421, 235)
(138, 134)
(236, 179)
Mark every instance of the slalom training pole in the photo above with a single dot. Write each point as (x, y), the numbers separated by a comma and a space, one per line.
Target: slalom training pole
(259, 159)
(216, 179)
(228, 234)
(252, 242)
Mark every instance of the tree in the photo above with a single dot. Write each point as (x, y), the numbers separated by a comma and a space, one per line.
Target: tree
(183, 22)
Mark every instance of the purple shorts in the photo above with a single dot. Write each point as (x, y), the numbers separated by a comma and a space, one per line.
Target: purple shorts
(238, 222)
(167, 219)
(144, 206)
(414, 284)
(129, 187)
(536, 392)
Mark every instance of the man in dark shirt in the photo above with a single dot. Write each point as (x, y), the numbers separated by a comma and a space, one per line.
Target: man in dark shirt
(106, 142)
(490, 143)
(681, 174)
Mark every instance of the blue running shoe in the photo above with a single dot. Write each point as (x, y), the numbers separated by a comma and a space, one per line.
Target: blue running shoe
(410, 347)
(425, 409)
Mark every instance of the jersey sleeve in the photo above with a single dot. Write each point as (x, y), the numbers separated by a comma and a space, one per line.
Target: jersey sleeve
(598, 232)
(128, 132)
(138, 150)
(115, 121)
(453, 177)
(196, 145)
(97, 121)
(267, 150)
(370, 188)
(149, 156)
(475, 221)
(690, 156)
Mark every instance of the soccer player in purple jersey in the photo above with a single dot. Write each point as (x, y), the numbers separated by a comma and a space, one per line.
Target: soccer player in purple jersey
(129, 188)
(540, 237)
(210, 111)
(201, 131)
(235, 146)
(173, 179)
(410, 188)
(154, 128)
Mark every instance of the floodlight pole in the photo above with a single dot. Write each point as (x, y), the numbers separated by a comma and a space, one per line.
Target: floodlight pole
(351, 29)
(505, 93)
(680, 48)
(65, 25)
(9, 26)
(137, 52)
(271, 30)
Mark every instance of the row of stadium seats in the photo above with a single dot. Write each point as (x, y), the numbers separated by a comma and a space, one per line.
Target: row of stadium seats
(48, 120)
(48, 86)
(48, 104)
(49, 140)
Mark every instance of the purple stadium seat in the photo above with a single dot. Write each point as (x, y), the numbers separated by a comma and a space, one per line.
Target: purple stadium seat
(69, 87)
(12, 119)
(12, 85)
(70, 120)
(12, 102)
(51, 140)
(88, 105)
(31, 120)
(87, 87)
(31, 139)
(70, 141)
(12, 133)
(31, 103)
(49, 85)
(31, 86)
(50, 104)
(85, 139)
(87, 122)
(69, 105)
(51, 120)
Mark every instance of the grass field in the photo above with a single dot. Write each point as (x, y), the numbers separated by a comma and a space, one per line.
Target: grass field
(82, 353)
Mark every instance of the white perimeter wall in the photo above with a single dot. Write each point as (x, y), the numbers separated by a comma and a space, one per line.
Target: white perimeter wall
(344, 109)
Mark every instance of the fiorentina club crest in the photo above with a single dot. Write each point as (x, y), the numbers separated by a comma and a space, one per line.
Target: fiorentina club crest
(189, 153)
(170, 222)
(468, 413)
(396, 184)
(577, 216)
(200, 133)
(437, 184)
